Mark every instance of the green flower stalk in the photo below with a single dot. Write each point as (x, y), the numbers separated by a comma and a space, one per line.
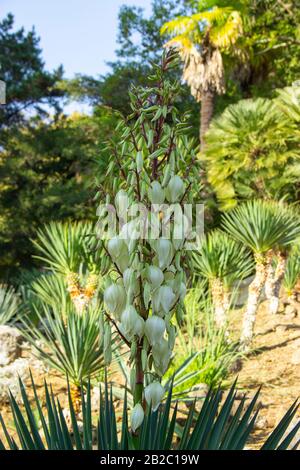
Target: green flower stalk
(146, 280)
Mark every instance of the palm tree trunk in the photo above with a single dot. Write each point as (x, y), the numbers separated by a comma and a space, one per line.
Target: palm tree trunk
(206, 113)
(75, 393)
(269, 285)
(254, 293)
(217, 293)
(278, 277)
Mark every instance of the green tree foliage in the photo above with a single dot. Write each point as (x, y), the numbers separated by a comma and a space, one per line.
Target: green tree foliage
(46, 170)
(272, 44)
(46, 158)
(139, 44)
(28, 84)
(253, 151)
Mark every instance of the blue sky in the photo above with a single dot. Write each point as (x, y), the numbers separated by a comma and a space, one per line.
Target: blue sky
(80, 34)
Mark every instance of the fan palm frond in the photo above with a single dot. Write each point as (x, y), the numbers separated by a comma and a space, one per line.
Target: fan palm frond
(292, 272)
(63, 246)
(70, 344)
(220, 256)
(262, 225)
(248, 148)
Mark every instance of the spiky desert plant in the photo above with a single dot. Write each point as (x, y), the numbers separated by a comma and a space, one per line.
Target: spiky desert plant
(70, 343)
(292, 273)
(9, 304)
(291, 278)
(218, 426)
(222, 260)
(201, 38)
(276, 264)
(250, 152)
(41, 289)
(262, 226)
(66, 249)
(144, 264)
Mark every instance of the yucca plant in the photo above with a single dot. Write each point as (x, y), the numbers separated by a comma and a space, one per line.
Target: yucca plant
(41, 289)
(291, 278)
(144, 260)
(262, 226)
(222, 260)
(218, 426)
(276, 267)
(9, 305)
(66, 248)
(70, 343)
(292, 273)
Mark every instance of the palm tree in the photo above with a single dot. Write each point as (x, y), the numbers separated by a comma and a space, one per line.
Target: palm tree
(292, 273)
(261, 226)
(67, 249)
(250, 150)
(201, 38)
(222, 261)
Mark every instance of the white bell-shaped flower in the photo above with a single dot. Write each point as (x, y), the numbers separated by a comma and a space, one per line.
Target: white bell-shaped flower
(154, 329)
(166, 298)
(154, 394)
(115, 247)
(128, 319)
(155, 276)
(115, 298)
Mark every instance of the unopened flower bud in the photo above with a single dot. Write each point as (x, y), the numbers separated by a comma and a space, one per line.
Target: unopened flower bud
(139, 161)
(137, 417)
(164, 252)
(166, 298)
(130, 279)
(175, 189)
(161, 355)
(121, 203)
(156, 193)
